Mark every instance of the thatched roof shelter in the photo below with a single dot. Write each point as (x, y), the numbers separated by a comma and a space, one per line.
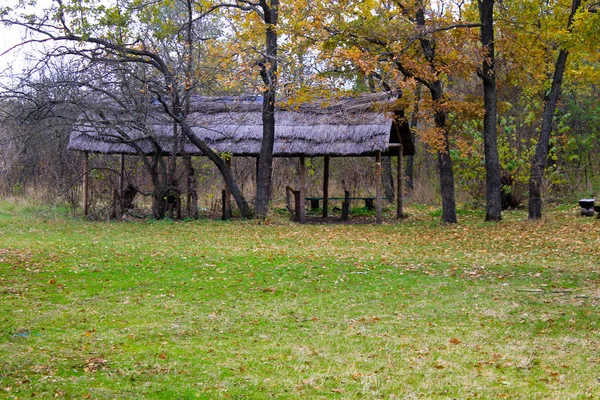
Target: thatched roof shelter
(359, 126)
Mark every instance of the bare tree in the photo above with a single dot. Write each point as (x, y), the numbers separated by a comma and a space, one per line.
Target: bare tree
(166, 76)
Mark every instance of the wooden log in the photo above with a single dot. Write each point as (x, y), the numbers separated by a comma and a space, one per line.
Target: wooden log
(86, 183)
(325, 187)
(378, 188)
(302, 175)
(346, 206)
(399, 195)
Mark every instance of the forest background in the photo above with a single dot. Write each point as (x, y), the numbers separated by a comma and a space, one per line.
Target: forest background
(134, 55)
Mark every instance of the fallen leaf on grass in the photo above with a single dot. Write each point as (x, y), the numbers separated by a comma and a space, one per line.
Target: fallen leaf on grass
(95, 364)
(454, 341)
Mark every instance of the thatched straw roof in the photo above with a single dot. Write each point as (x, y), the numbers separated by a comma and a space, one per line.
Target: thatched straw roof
(350, 127)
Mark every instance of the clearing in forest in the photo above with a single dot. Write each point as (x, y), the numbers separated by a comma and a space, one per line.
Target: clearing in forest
(211, 309)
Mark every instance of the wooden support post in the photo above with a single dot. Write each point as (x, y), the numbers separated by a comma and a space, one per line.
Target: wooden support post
(289, 191)
(86, 184)
(326, 187)
(227, 199)
(115, 204)
(224, 212)
(346, 206)
(188, 191)
(399, 195)
(378, 187)
(121, 183)
(302, 175)
(298, 206)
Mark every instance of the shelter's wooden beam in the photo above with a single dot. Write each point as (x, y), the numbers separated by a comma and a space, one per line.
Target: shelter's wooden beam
(302, 189)
(86, 183)
(399, 199)
(326, 187)
(378, 188)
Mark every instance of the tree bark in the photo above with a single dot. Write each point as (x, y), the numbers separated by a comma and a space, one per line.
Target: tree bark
(400, 195)
(540, 157)
(268, 72)
(493, 210)
(410, 160)
(237, 194)
(192, 191)
(444, 160)
(446, 173)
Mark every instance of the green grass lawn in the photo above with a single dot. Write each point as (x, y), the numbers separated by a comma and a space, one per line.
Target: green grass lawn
(236, 309)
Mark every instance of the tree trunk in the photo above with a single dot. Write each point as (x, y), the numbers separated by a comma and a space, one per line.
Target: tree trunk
(444, 160)
(159, 194)
(237, 194)
(268, 72)
(388, 179)
(192, 192)
(399, 198)
(435, 88)
(493, 210)
(410, 160)
(447, 187)
(538, 163)
(158, 204)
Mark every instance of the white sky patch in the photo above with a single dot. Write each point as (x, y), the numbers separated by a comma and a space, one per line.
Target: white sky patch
(15, 59)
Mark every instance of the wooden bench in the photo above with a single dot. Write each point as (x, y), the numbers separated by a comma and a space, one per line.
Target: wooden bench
(369, 201)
